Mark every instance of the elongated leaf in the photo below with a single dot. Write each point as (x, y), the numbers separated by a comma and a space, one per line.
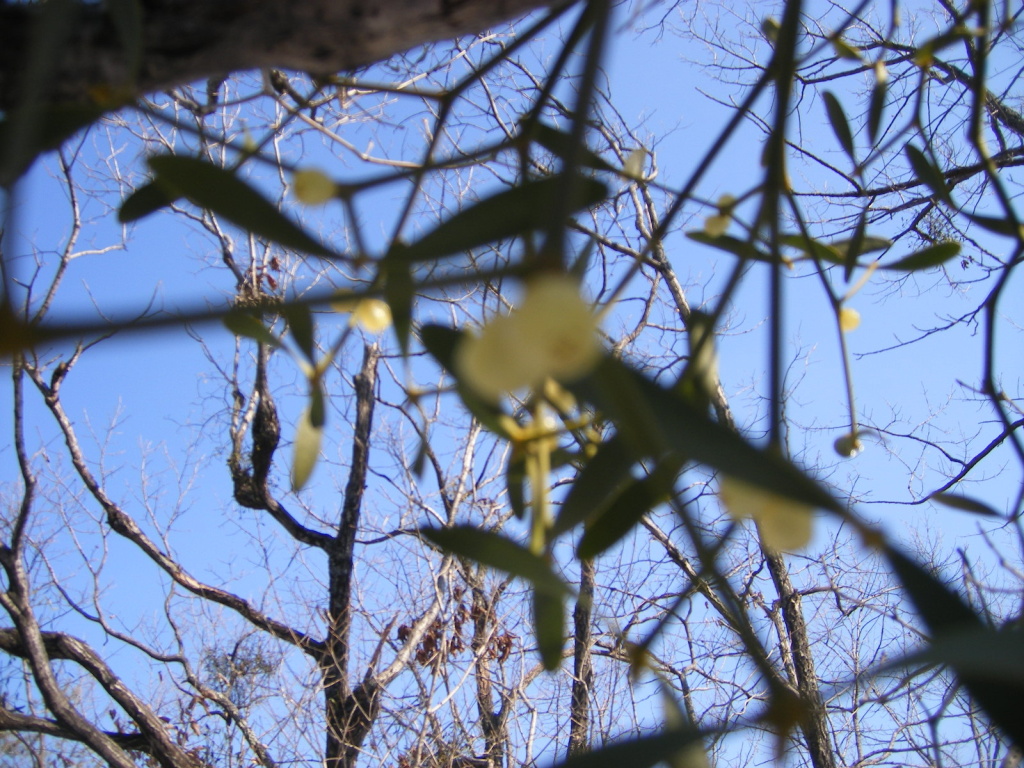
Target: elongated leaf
(513, 212)
(926, 258)
(441, 341)
(549, 627)
(242, 323)
(965, 504)
(636, 753)
(300, 325)
(877, 107)
(223, 193)
(946, 615)
(730, 244)
(927, 173)
(399, 292)
(306, 451)
(560, 144)
(496, 551)
(813, 248)
(127, 18)
(840, 125)
(145, 200)
(598, 483)
(627, 508)
(654, 421)
(996, 224)
(1001, 661)
(515, 483)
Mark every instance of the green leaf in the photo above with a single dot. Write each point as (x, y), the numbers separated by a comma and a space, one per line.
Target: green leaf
(242, 323)
(1001, 661)
(145, 200)
(515, 484)
(964, 504)
(636, 753)
(730, 244)
(998, 225)
(927, 173)
(597, 484)
(399, 292)
(549, 628)
(300, 325)
(441, 341)
(496, 551)
(628, 507)
(317, 404)
(946, 616)
(844, 50)
(926, 258)
(222, 192)
(560, 144)
(855, 245)
(654, 421)
(515, 211)
(814, 248)
(840, 125)
(306, 450)
(877, 107)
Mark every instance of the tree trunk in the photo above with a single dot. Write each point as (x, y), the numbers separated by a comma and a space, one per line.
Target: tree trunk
(583, 667)
(182, 41)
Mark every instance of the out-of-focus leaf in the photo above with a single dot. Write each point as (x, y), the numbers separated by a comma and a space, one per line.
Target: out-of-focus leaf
(627, 508)
(654, 421)
(840, 125)
(600, 481)
(636, 753)
(844, 50)
(399, 292)
(441, 341)
(496, 551)
(985, 653)
(926, 258)
(515, 211)
(306, 450)
(515, 483)
(222, 192)
(242, 323)
(946, 615)
(730, 244)
(145, 200)
(317, 405)
(560, 144)
(855, 245)
(300, 325)
(879, 92)
(964, 504)
(814, 248)
(998, 225)
(549, 627)
(927, 173)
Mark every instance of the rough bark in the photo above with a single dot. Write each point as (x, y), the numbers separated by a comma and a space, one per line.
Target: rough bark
(187, 40)
(583, 665)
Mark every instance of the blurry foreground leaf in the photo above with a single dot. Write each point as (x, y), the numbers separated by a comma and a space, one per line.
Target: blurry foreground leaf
(222, 192)
(496, 551)
(964, 504)
(926, 258)
(516, 211)
(306, 451)
(947, 617)
(242, 323)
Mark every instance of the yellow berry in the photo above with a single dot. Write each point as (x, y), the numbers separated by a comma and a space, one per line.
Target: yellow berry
(313, 187)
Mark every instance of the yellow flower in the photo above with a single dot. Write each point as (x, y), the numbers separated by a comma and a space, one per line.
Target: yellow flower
(849, 319)
(553, 333)
(784, 524)
(313, 187)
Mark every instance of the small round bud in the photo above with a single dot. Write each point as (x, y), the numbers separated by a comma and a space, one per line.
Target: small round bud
(849, 319)
(313, 187)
